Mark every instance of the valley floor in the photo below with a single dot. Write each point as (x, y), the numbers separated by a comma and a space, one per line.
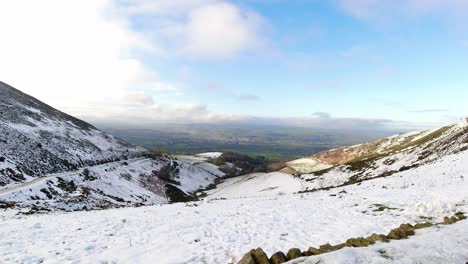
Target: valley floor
(222, 231)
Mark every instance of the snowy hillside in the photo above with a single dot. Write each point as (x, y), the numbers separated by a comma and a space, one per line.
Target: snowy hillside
(139, 181)
(222, 231)
(416, 147)
(36, 139)
(49, 159)
(410, 152)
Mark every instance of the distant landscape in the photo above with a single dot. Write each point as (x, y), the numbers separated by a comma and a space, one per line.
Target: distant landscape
(269, 141)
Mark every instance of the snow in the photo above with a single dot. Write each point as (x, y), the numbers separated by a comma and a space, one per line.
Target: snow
(115, 179)
(210, 155)
(257, 184)
(306, 165)
(222, 231)
(443, 244)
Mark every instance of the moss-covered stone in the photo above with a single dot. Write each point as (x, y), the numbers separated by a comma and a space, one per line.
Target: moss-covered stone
(312, 252)
(461, 216)
(448, 221)
(294, 253)
(376, 237)
(278, 258)
(247, 259)
(397, 233)
(422, 225)
(408, 229)
(359, 242)
(259, 256)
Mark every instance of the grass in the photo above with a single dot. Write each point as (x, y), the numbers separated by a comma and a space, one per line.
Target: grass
(382, 207)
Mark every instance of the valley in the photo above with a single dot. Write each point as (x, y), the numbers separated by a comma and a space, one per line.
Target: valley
(71, 193)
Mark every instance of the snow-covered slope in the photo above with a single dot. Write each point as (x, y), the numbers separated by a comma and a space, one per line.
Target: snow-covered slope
(145, 180)
(49, 159)
(222, 231)
(382, 158)
(257, 185)
(36, 139)
(416, 147)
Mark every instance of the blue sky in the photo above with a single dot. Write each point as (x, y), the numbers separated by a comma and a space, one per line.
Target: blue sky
(218, 60)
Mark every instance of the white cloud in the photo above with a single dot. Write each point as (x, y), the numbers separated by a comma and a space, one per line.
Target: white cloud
(221, 30)
(82, 56)
(68, 53)
(201, 28)
(138, 99)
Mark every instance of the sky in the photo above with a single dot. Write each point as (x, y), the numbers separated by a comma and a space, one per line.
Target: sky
(389, 63)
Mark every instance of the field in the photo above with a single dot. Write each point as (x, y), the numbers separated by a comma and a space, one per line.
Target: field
(272, 142)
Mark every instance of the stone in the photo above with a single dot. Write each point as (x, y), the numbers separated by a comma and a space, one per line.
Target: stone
(312, 252)
(448, 221)
(326, 248)
(294, 253)
(259, 256)
(278, 258)
(422, 225)
(396, 234)
(247, 259)
(408, 229)
(461, 216)
(376, 237)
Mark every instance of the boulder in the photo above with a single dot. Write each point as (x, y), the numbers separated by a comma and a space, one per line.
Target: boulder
(397, 233)
(312, 252)
(326, 248)
(259, 256)
(247, 259)
(294, 253)
(359, 242)
(278, 258)
(376, 237)
(408, 229)
(460, 216)
(448, 221)
(422, 225)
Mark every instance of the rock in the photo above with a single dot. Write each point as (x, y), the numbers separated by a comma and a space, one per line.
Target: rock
(422, 225)
(340, 246)
(397, 233)
(259, 256)
(326, 248)
(359, 242)
(448, 221)
(406, 226)
(312, 252)
(247, 259)
(460, 216)
(376, 237)
(294, 253)
(408, 229)
(278, 258)
(454, 219)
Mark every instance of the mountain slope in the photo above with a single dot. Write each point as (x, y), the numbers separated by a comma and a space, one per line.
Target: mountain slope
(352, 165)
(36, 139)
(53, 160)
(426, 145)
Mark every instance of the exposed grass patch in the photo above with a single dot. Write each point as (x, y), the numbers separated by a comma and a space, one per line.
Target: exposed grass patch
(382, 207)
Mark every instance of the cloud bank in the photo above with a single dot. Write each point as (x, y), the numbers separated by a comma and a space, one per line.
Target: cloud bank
(83, 57)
